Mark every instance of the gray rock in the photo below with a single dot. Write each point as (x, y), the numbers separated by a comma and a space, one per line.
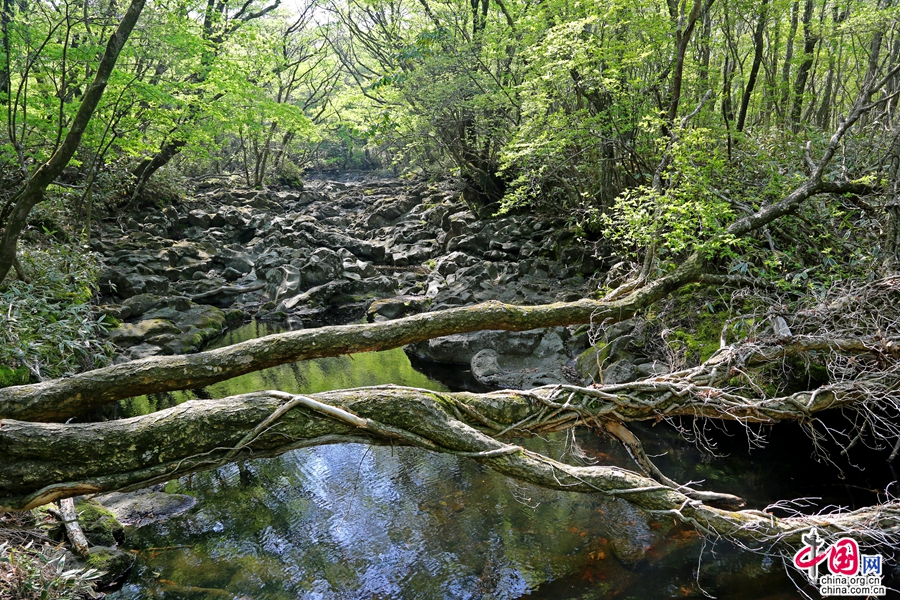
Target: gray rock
(621, 371)
(232, 259)
(321, 294)
(461, 348)
(140, 304)
(323, 266)
(145, 506)
(199, 218)
(113, 564)
(542, 367)
(283, 281)
(115, 282)
(486, 364)
(453, 262)
(652, 369)
(394, 308)
(132, 334)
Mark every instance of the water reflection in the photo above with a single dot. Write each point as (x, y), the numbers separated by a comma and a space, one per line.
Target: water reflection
(352, 521)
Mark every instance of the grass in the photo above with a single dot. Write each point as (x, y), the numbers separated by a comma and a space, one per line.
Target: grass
(48, 327)
(29, 573)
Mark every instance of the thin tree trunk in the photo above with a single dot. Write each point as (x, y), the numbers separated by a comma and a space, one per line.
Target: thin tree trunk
(788, 57)
(757, 61)
(809, 46)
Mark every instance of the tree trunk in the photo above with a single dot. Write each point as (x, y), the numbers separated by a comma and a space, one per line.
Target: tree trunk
(149, 166)
(809, 46)
(757, 61)
(788, 57)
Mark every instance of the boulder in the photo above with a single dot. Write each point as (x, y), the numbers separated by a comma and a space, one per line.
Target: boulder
(621, 371)
(145, 506)
(113, 565)
(394, 308)
(233, 259)
(140, 304)
(542, 367)
(323, 266)
(461, 348)
(283, 281)
(199, 218)
(131, 334)
(115, 282)
(100, 526)
(321, 294)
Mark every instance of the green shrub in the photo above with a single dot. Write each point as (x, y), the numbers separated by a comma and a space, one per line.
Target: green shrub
(17, 376)
(290, 174)
(49, 328)
(41, 574)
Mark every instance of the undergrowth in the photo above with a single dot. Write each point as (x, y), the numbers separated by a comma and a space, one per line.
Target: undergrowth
(30, 573)
(48, 326)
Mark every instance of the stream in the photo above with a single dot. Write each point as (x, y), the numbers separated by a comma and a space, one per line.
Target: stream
(353, 521)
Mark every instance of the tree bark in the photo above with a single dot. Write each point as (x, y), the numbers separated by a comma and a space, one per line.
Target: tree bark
(809, 45)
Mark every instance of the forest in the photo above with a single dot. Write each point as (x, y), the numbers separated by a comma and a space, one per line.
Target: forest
(637, 238)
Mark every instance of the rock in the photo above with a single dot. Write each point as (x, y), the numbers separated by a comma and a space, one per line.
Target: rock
(140, 304)
(114, 282)
(379, 285)
(617, 330)
(199, 218)
(454, 261)
(652, 369)
(230, 274)
(362, 268)
(232, 259)
(113, 564)
(394, 308)
(174, 326)
(621, 371)
(323, 266)
(142, 351)
(544, 366)
(630, 533)
(389, 210)
(589, 362)
(283, 281)
(100, 526)
(321, 294)
(130, 334)
(461, 348)
(145, 506)
(485, 364)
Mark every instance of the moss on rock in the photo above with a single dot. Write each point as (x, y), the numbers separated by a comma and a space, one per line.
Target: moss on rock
(100, 526)
(114, 564)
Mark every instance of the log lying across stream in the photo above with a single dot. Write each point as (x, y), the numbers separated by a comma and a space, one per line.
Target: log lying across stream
(48, 461)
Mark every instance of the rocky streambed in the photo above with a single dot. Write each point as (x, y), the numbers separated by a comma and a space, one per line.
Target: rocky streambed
(336, 250)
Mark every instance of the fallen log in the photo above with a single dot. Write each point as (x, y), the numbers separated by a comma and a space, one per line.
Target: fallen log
(62, 399)
(49, 461)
